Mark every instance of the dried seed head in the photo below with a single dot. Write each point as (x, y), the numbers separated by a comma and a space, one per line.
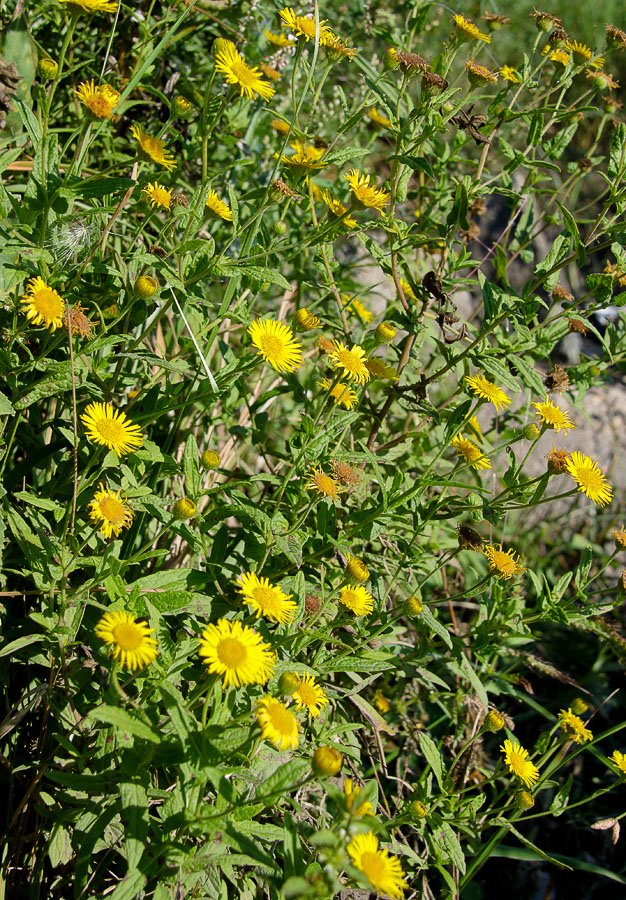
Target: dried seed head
(557, 461)
(469, 539)
(179, 199)
(77, 322)
(157, 250)
(411, 63)
(557, 380)
(345, 473)
(577, 325)
(432, 84)
(280, 189)
(312, 604)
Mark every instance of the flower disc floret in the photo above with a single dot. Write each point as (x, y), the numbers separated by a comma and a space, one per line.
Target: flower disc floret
(364, 194)
(553, 416)
(154, 148)
(237, 653)
(306, 157)
(351, 361)
(278, 724)
(100, 100)
(589, 477)
(357, 599)
(129, 641)
(236, 70)
(43, 305)
(276, 343)
(110, 510)
(111, 428)
(486, 390)
(503, 565)
(516, 758)
(310, 696)
(266, 599)
(383, 871)
(157, 195)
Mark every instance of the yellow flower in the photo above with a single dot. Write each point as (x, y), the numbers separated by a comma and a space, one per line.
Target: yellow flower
(342, 393)
(371, 197)
(510, 74)
(158, 195)
(377, 118)
(553, 416)
(100, 100)
(336, 49)
(350, 361)
(352, 799)
(356, 570)
(355, 307)
(472, 454)
(326, 761)
(237, 653)
(379, 369)
(304, 26)
(589, 477)
(582, 54)
(129, 640)
(108, 508)
(324, 484)
(385, 332)
(111, 428)
(276, 344)
(184, 508)
(574, 727)
(266, 599)
(93, 5)
(479, 76)
(467, 31)
(278, 724)
(338, 209)
(383, 871)
(305, 158)
(503, 565)
(619, 536)
(380, 702)
(474, 424)
(279, 40)
(357, 599)
(306, 320)
(153, 148)
(619, 759)
(42, 304)
(233, 66)
(517, 760)
(217, 207)
(488, 391)
(280, 126)
(557, 56)
(310, 696)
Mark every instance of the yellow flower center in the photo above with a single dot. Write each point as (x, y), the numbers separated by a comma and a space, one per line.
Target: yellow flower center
(127, 636)
(48, 304)
(307, 26)
(266, 598)
(517, 762)
(231, 652)
(503, 562)
(111, 431)
(588, 479)
(152, 146)
(161, 196)
(112, 510)
(307, 695)
(242, 72)
(325, 484)
(349, 360)
(281, 718)
(372, 866)
(99, 106)
(271, 345)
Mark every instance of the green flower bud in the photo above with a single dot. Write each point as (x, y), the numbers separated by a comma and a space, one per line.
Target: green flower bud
(288, 683)
(493, 721)
(524, 800)
(413, 606)
(184, 508)
(146, 286)
(390, 59)
(47, 68)
(385, 332)
(326, 761)
(279, 227)
(579, 706)
(531, 432)
(210, 459)
(417, 809)
(181, 106)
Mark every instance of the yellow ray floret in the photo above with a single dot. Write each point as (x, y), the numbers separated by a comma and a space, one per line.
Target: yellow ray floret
(276, 343)
(267, 599)
(111, 428)
(236, 70)
(128, 640)
(111, 511)
(43, 305)
(237, 653)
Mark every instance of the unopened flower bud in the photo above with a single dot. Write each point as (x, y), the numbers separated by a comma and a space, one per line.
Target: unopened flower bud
(184, 508)
(493, 721)
(531, 432)
(579, 706)
(417, 809)
(47, 68)
(306, 320)
(356, 570)
(181, 106)
(220, 44)
(413, 606)
(279, 227)
(385, 332)
(326, 761)
(210, 459)
(146, 286)
(524, 800)
(390, 59)
(288, 683)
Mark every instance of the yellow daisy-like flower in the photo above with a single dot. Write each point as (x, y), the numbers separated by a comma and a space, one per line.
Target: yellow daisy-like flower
(407, 290)
(110, 509)
(370, 197)
(276, 343)
(510, 74)
(480, 76)
(310, 696)
(503, 565)
(377, 118)
(582, 54)
(100, 100)
(42, 304)
(357, 599)
(517, 760)
(472, 454)
(619, 536)
(350, 361)
(356, 809)
(154, 148)
(158, 195)
(279, 40)
(467, 31)
(266, 599)
(324, 484)
(619, 759)
(589, 477)
(553, 416)
(306, 320)
(237, 653)
(306, 158)
(304, 26)
(129, 640)
(338, 209)
(557, 56)
(278, 724)
(342, 393)
(236, 70)
(111, 428)
(379, 369)
(355, 307)
(488, 391)
(280, 126)
(93, 5)
(336, 49)
(383, 871)
(574, 727)
(474, 424)
(218, 208)
(380, 702)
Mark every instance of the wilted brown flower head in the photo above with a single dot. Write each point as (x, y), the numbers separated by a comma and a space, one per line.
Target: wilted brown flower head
(469, 538)
(345, 473)
(433, 83)
(615, 37)
(312, 604)
(158, 250)
(179, 199)
(478, 207)
(77, 322)
(282, 188)
(325, 345)
(545, 21)
(470, 234)
(557, 380)
(557, 461)
(561, 293)
(495, 21)
(411, 62)
(577, 325)
(559, 38)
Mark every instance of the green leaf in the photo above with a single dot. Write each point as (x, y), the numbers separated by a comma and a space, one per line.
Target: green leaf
(18, 643)
(433, 757)
(60, 847)
(256, 273)
(283, 780)
(124, 722)
(100, 187)
(6, 407)
(617, 153)
(191, 468)
(135, 818)
(561, 798)
(527, 843)
(453, 846)
(474, 680)
(436, 626)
